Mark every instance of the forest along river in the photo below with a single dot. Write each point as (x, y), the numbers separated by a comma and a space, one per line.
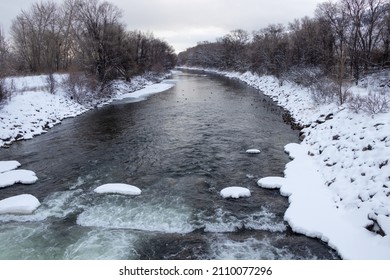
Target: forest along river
(180, 147)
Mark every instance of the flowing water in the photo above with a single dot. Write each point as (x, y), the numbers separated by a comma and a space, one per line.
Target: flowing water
(180, 147)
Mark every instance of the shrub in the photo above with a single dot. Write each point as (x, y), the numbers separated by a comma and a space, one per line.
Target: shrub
(323, 91)
(356, 103)
(51, 83)
(376, 103)
(80, 87)
(373, 103)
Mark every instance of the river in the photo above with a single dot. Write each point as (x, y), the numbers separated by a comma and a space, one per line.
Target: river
(180, 147)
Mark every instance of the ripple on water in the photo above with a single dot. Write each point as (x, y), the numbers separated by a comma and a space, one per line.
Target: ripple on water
(225, 221)
(103, 245)
(224, 248)
(163, 214)
(56, 205)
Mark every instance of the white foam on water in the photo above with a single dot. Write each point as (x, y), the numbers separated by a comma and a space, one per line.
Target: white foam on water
(25, 241)
(265, 220)
(223, 248)
(161, 215)
(57, 205)
(223, 221)
(100, 244)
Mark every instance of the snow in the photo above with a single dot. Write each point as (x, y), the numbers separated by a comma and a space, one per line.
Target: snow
(312, 211)
(338, 183)
(12, 177)
(253, 151)
(8, 165)
(118, 189)
(271, 182)
(9, 176)
(235, 192)
(147, 91)
(20, 204)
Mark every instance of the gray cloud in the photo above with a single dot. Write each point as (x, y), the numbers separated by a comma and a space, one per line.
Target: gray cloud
(183, 23)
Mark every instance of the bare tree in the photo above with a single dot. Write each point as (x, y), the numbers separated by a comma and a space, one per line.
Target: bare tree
(269, 50)
(35, 36)
(234, 49)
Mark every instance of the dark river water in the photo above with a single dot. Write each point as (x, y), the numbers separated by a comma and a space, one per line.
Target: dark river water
(181, 147)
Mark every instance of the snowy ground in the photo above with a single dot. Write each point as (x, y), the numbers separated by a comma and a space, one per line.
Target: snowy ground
(339, 181)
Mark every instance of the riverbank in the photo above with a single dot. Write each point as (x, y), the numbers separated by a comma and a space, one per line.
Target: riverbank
(32, 110)
(338, 183)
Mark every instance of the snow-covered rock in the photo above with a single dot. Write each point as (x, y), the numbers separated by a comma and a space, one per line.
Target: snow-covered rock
(118, 189)
(235, 192)
(253, 151)
(12, 177)
(271, 182)
(8, 165)
(20, 204)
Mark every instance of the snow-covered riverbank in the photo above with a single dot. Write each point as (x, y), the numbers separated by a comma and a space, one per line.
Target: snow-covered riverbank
(338, 183)
(32, 109)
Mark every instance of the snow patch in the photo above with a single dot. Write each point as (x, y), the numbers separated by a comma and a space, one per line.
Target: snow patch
(12, 177)
(20, 204)
(271, 182)
(118, 189)
(253, 151)
(8, 165)
(235, 192)
(147, 91)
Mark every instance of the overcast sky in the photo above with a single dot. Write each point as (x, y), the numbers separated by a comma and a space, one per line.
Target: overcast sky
(183, 23)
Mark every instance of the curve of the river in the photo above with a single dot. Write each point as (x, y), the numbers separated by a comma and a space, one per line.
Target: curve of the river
(181, 147)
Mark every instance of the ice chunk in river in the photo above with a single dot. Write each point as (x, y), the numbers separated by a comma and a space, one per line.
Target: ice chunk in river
(235, 192)
(118, 189)
(20, 204)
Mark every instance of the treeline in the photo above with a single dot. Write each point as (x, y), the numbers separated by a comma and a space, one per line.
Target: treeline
(344, 40)
(81, 35)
